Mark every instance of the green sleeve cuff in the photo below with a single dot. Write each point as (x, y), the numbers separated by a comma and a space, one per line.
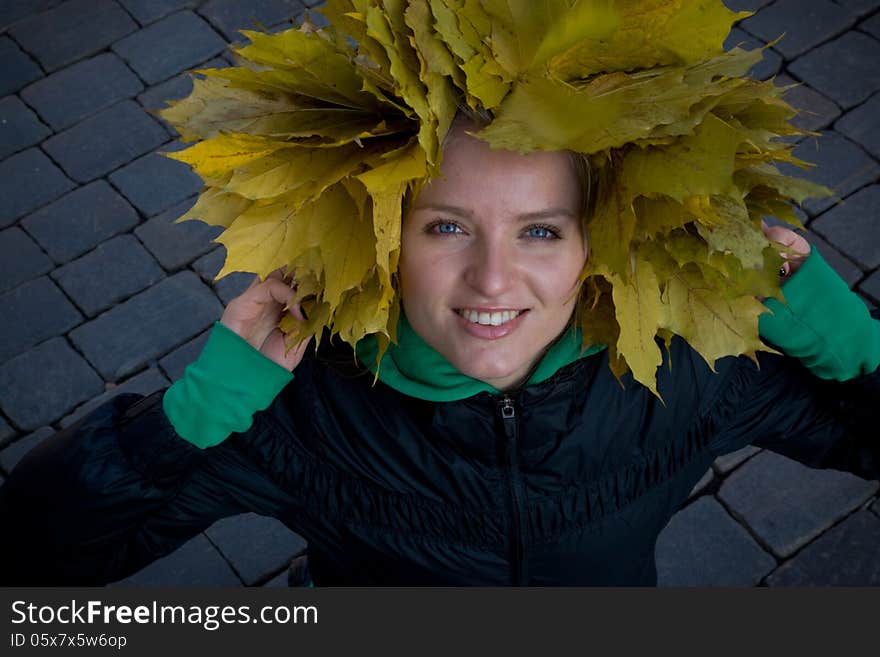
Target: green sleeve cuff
(220, 392)
(824, 324)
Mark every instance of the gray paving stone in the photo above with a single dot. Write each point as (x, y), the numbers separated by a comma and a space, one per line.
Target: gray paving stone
(862, 125)
(703, 546)
(7, 433)
(859, 7)
(700, 486)
(845, 70)
(147, 11)
(174, 364)
(154, 183)
(195, 563)
(232, 286)
(210, 264)
(14, 10)
(169, 46)
(746, 5)
(229, 16)
(872, 26)
(19, 126)
(20, 258)
(10, 456)
(815, 110)
(77, 222)
(840, 164)
(871, 286)
(845, 267)
(176, 245)
(176, 88)
(728, 462)
(846, 555)
(145, 383)
(39, 311)
(228, 287)
(854, 227)
(804, 24)
(105, 141)
(71, 31)
(787, 504)
(42, 384)
(112, 272)
(255, 545)
(768, 66)
(147, 325)
(27, 181)
(18, 69)
(277, 582)
(73, 93)
(180, 86)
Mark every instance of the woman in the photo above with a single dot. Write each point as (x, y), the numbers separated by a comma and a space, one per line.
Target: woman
(510, 290)
(492, 450)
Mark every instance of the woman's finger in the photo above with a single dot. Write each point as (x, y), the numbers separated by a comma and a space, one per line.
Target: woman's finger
(795, 247)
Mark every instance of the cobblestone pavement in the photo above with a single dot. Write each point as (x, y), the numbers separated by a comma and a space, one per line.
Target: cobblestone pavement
(86, 211)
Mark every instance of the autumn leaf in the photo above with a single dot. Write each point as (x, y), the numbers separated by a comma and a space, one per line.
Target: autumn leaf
(299, 174)
(713, 325)
(217, 208)
(733, 231)
(697, 165)
(214, 158)
(639, 314)
(622, 107)
(648, 33)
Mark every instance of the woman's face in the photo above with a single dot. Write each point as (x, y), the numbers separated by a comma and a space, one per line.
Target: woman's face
(490, 257)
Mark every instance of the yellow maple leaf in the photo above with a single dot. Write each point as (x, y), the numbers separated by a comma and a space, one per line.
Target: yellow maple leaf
(299, 174)
(712, 324)
(697, 165)
(649, 33)
(621, 107)
(639, 314)
(214, 158)
(217, 208)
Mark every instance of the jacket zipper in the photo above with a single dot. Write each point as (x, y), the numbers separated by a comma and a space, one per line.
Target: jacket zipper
(507, 410)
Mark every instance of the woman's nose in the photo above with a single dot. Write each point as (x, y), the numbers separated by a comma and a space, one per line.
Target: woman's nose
(490, 270)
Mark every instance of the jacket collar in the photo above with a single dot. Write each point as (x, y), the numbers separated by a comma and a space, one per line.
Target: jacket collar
(414, 368)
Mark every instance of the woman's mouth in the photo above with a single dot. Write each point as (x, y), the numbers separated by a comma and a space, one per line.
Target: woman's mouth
(490, 324)
(486, 318)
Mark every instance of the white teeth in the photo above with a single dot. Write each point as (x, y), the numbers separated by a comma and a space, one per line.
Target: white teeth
(488, 319)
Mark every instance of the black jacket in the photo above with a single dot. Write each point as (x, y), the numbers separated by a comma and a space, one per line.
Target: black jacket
(569, 481)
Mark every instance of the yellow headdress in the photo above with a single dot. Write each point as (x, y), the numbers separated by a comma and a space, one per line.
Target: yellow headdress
(309, 148)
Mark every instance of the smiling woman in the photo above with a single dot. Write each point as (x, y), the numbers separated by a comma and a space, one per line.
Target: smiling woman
(524, 424)
(491, 255)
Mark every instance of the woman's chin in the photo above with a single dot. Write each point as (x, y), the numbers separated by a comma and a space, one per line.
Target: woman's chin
(491, 372)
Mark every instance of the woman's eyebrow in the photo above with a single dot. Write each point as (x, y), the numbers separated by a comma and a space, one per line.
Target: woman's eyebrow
(549, 213)
(525, 216)
(441, 207)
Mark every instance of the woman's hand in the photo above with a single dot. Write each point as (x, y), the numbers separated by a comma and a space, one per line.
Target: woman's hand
(797, 248)
(255, 313)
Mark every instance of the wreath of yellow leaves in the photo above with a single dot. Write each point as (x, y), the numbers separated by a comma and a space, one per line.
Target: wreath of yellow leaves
(309, 148)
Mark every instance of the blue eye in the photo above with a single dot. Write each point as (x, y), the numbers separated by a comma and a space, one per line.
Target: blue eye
(445, 228)
(541, 233)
